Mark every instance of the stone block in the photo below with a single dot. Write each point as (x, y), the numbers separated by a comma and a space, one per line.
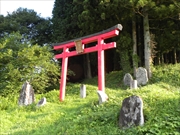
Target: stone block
(102, 96)
(41, 102)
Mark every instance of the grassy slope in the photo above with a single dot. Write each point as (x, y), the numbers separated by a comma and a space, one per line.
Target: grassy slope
(161, 98)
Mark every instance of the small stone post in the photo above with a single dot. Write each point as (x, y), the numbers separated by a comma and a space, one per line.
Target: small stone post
(41, 102)
(133, 84)
(83, 91)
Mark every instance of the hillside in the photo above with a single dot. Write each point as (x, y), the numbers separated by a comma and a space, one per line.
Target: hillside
(161, 98)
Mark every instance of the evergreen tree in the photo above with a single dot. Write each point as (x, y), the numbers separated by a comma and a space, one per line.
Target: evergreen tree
(151, 17)
(165, 26)
(65, 15)
(29, 24)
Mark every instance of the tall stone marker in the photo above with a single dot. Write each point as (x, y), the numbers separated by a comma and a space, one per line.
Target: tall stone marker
(141, 76)
(127, 79)
(131, 113)
(26, 95)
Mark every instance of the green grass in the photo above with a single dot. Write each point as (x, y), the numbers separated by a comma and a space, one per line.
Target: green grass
(161, 99)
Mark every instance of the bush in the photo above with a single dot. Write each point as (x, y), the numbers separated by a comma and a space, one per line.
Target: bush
(21, 61)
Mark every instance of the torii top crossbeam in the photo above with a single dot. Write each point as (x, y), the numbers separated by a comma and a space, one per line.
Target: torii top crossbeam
(81, 48)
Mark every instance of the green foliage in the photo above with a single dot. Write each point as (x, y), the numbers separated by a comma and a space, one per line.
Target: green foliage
(124, 49)
(166, 13)
(21, 61)
(29, 24)
(99, 15)
(85, 116)
(135, 58)
(168, 74)
(76, 18)
(65, 16)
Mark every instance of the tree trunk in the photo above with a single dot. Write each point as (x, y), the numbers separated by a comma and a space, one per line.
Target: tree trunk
(140, 54)
(88, 67)
(162, 58)
(159, 59)
(147, 47)
(175, 56)
(165, 58)
(134, 37)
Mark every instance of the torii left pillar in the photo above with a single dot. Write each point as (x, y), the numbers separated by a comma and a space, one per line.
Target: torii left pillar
(63, 73)
(82, 49)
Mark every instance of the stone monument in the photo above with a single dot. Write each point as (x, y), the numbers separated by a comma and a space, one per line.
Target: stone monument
(127, 79)
(141, 76)
(131, 113)
(26, 95)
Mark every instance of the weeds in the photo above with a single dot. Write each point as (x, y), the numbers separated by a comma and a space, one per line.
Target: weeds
(161, 99)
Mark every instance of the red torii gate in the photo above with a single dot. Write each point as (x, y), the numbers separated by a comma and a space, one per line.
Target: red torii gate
(82, 49)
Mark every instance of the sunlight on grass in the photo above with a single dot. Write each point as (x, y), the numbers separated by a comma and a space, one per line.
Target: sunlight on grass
(161, 99)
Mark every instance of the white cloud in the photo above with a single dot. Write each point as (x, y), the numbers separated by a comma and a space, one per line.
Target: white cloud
(43, 7)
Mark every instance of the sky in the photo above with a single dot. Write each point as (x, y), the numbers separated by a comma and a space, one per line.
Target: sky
(43, 7)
